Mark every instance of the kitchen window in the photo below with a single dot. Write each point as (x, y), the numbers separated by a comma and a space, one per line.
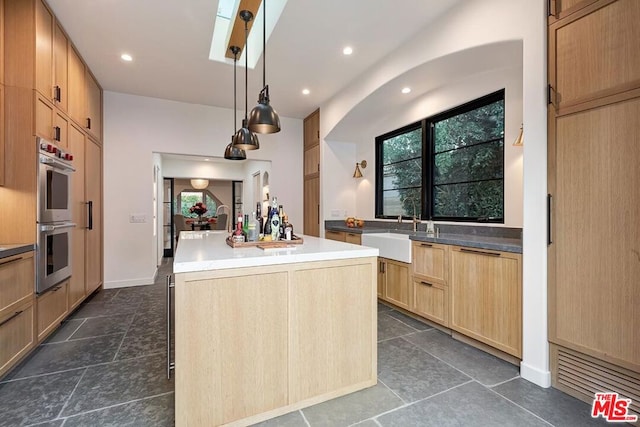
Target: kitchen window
(446, 167)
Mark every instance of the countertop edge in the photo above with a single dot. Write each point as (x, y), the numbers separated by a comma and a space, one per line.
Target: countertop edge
(16, 249)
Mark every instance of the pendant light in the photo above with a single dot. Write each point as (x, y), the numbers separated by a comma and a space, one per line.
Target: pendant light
(264, 118)
(244, 138)
(231, 152)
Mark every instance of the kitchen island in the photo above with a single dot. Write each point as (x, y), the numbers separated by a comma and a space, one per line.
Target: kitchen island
(260, 333)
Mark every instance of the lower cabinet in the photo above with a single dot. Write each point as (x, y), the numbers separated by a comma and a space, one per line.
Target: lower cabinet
(430, 300)
(393, 282)
(51, 309)
(16, 335)
(341, 236)
(486, 297)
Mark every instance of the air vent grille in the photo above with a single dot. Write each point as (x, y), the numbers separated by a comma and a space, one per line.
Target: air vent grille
(585, 376)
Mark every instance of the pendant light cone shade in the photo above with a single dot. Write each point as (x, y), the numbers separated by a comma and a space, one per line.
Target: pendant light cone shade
(244, 138)
(358, 173)
(263, 118)
(231, 152)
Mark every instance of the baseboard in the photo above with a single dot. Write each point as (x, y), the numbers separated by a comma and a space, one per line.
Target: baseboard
(126, 283)
(535, 375)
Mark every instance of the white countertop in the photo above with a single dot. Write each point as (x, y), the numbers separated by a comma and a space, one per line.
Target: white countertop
(207, 250)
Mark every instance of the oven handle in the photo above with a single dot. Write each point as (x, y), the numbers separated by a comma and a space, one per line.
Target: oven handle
(55, 163)
(57, 227)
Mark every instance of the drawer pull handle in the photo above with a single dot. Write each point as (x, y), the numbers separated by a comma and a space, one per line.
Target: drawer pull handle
(426, 284)
(13, 316)
(56, 289)
(10, 261)
(479, 252)
(426, 245)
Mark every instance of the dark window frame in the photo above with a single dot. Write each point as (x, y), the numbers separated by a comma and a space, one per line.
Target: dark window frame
(428, 160)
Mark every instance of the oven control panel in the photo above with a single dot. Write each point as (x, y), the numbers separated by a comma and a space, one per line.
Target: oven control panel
(52, 150)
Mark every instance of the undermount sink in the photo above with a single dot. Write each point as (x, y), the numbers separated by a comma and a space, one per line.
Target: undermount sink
(391, 245)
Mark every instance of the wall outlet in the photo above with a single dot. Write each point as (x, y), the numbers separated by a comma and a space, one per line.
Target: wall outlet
(137, 218)
(335, 213)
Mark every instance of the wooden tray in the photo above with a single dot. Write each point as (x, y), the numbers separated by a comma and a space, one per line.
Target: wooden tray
(296, 240)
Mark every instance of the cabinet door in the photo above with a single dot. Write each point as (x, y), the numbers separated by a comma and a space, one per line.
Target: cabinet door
(16, 335)
(381, 278)
(17, 278)
(312, 161)
(77, 290)
(94, 106)
(430, 300)
(76, 102)
(396, 283)
(312, 206)
(60, 69)
(486, 297)
(335, 235)
(353, 238)
(2, 159)
(51, 309)
(595, 55)
(60, 129)
(44, 118)
(312, 130)
(93, 194)
(44, 50)
(429, 260)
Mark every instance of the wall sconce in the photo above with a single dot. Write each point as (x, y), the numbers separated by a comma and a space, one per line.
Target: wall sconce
(199, 184)
(519, 140)
(358, 173)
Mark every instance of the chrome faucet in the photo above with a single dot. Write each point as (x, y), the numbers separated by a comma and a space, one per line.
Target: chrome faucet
(416, 221)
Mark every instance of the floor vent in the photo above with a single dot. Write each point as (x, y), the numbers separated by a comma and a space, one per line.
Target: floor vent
(582, 376)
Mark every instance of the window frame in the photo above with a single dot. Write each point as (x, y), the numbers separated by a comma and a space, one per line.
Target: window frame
(428, 160)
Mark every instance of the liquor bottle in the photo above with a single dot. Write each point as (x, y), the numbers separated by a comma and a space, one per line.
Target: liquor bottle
(245, 224)
(238, 235)
(275, 220)
(252, 232)
(259, 218)
(281, 215)
(288, 228)
(267, 224)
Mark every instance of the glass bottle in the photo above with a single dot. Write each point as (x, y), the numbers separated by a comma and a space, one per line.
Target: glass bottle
(288, 229)
(238, 235)
(275, 220)
(267, 224)
(252, 229)
(259, 218)
(245, 224)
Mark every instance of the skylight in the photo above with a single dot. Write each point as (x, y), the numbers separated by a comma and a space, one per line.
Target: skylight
(227, 10)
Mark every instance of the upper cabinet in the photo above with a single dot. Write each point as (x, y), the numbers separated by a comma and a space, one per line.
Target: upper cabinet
(93, 106)
(43, 50)
(60, 69)
(76, 87)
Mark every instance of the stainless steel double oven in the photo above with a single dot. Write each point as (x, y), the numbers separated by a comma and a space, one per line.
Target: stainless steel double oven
(55, 172)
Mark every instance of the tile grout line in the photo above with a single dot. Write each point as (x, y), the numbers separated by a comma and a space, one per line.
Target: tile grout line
(503, 382)
(115, 356)
(118, 404)
(304, 418)
(76, 330)
(392, 391)
(395, 318)
(518, 406)
(399, 336)
(71, 394)
(81, 339)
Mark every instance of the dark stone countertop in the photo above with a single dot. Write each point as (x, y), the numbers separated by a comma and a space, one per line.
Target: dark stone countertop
(504, 243)
(15, 249)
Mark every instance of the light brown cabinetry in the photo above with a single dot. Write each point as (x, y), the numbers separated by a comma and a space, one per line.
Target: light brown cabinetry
(60, 68)
(17, 332)
(77, 287)
(311, 174)
(429, 287)
(76, 104)
(51, 309)
(93, 106)
(593, 177)
(342, 236)
(486, 297)
(2, 145)
(93, 197)
(43, 49)
(393, 280)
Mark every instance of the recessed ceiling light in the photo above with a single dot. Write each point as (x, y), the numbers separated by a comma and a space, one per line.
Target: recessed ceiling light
(306, 91)
(126, 57)
(406, 89)
(347, 50)
(206, 160)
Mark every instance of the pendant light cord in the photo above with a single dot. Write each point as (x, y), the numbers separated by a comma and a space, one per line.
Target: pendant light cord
(246, 69)
(235, 107)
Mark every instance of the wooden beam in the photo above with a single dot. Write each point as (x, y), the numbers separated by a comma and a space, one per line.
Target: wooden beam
(237, 34)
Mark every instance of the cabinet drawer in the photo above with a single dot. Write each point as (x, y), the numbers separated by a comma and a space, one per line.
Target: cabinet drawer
(52, 307)
(16, 280)
(16, 336)
(353, 238)
(430, 300)
(429, 260)
(335, 235)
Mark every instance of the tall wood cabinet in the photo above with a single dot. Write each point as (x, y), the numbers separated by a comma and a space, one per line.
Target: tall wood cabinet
(593, 179)
(312, 174)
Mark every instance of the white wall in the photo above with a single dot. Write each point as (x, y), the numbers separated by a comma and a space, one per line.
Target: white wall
(470, 25)
(134, 128)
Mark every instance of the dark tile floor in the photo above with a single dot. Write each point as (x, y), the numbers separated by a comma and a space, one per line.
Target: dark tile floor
(106, 367)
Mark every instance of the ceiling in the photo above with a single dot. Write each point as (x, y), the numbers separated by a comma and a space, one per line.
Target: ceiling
(170, 42)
